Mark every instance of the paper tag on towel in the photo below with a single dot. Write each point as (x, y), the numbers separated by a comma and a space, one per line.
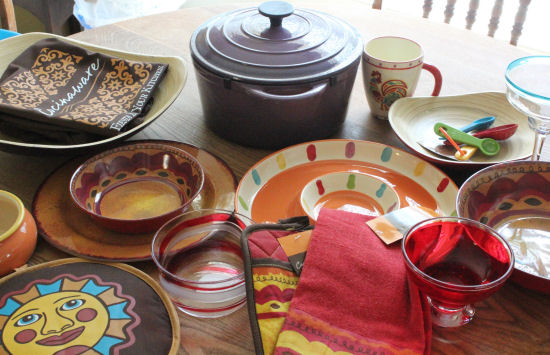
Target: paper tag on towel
(295, 246)
(392, 226)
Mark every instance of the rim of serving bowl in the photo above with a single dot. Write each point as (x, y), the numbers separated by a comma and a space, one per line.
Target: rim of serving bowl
(20, 214)
(518, 62)
(448, 285)
(106, 153)
(175, 222)
(463, 194)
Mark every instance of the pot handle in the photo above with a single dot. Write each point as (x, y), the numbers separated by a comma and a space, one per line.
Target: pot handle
(276, 11)
(316, 89)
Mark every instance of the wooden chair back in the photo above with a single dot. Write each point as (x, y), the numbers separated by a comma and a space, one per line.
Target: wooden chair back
(54, 14)
(519, 19)
(7, 15)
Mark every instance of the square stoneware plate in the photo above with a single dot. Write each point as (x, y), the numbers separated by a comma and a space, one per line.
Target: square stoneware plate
(413, 119)
(164, 96)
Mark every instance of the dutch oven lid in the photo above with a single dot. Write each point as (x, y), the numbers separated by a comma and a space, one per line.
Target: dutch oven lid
(275, 43)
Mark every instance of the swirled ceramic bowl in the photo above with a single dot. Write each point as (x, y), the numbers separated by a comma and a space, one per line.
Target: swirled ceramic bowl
(514, 199)
(136, 188)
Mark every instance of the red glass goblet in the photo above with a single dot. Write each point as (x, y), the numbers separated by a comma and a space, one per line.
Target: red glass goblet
(456, 262)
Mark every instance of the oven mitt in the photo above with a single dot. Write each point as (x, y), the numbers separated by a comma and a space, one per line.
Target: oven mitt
(270, 279)
(353, 296)
(54, 89)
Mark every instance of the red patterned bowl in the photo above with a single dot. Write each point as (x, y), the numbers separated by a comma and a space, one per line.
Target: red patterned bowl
(136, 188)
(513, 198)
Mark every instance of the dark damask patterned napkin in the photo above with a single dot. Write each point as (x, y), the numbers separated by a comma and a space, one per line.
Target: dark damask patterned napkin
(63, 92)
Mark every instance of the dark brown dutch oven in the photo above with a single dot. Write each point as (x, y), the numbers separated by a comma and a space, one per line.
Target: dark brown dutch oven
(273, 76)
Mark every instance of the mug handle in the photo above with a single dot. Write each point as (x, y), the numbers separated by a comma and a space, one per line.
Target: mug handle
(437, 76)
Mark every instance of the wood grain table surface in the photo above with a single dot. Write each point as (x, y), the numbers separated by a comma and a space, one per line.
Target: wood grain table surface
(513, 321)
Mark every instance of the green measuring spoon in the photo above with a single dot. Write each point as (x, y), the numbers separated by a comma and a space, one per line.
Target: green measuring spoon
(487, 146)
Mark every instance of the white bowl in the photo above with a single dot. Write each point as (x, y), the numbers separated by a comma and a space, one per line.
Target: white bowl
(349, 191)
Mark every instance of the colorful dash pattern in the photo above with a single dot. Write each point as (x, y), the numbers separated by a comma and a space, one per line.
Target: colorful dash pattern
(380, 191)
(351, 182)
(256, 177)
(320, 187)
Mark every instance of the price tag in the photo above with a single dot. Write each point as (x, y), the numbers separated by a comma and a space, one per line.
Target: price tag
(392, 226)
(295, 247)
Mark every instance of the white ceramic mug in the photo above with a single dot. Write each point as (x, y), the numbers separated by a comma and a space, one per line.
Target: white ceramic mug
(391, 68)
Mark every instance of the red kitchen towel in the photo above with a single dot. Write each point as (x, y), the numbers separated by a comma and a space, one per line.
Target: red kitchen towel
(353, 295)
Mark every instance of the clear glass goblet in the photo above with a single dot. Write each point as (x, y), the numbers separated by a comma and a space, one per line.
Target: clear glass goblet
(528, 90)
(455, 262)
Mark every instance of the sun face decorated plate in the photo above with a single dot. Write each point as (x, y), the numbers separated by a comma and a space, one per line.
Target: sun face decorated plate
(66, 227)
(413, 119)
(271, 189)
(74, 306)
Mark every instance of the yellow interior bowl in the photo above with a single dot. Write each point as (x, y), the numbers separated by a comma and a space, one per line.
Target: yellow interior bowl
(12, 214)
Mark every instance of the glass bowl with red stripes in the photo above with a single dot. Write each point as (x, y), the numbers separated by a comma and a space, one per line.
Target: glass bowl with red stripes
(198, 255)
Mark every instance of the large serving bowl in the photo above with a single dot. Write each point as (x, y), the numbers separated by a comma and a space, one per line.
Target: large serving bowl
(136, 188)
(270, 190)
(166, 93)
(514, 199)
(272, 75)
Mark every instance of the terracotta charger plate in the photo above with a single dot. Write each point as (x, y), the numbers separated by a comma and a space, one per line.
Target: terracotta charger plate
(76, 306)
(271, 189)
(166, 93)
(413, 119)
(65, 227)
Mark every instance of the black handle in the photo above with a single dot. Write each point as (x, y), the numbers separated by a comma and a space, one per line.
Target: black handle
(276, 11)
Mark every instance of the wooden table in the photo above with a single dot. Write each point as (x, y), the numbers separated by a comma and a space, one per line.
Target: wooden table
(512, 321)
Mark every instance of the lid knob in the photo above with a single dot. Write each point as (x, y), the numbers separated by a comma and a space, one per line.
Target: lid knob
(276, 10)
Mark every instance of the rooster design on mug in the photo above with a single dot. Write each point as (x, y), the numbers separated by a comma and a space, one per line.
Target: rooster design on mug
(389, 92)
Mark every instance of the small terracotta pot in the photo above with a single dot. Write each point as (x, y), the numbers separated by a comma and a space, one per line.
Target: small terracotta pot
(17, 233)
